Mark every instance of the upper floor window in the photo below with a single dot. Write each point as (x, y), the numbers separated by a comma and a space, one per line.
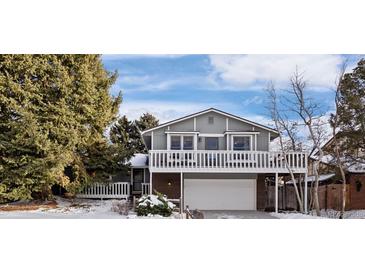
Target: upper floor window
(175, 142)
(211, 143)
(241, 143)
(188, 142)
(211, 120)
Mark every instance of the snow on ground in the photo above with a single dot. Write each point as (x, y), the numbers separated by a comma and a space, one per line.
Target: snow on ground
(294, 216)
(98, 209)
(351, 214)
(325, 214)
(77, 209)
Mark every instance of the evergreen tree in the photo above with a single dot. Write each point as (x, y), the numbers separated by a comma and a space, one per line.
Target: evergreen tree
(147, 121)
(351, 111)
(126, 137)
(53, 109)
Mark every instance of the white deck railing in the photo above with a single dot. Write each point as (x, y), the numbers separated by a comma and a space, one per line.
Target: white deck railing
(145, 188)
(225, 160)
(118, 190)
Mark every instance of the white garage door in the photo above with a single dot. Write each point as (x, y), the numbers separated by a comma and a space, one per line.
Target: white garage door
(220, 194)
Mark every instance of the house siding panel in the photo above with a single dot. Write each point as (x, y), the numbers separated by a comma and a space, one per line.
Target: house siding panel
(187, 125)
(263, 141)
(218, 126)
(239, 126)
(159, 139)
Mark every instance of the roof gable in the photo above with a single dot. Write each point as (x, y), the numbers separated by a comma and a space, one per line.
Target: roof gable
(216, 111)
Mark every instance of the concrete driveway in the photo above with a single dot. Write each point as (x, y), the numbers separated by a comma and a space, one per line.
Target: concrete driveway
(236, 214)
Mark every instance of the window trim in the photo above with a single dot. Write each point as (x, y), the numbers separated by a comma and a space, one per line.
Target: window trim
(242, 135)
(181, 135)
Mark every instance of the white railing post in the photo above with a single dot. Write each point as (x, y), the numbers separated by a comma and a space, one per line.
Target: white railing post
(276, 193)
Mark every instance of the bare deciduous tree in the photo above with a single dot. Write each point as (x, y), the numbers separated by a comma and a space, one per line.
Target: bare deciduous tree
(310, 113)
(307, 114)
(285, 127)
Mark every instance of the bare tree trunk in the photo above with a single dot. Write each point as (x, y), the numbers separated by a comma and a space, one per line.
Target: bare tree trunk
(315, 192)
(301, 188)
(340, 167)
(311, 197)
(334, 124)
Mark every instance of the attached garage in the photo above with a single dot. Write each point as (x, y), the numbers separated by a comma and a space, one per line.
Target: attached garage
(220, 194)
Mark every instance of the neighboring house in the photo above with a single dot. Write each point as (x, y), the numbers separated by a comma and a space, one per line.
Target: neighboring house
(330, 193)
(209, 160)
(213, 160)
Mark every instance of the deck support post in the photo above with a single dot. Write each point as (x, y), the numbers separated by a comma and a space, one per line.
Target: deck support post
(181, 192)
(151, 183)
(305, 193)
(276, 193)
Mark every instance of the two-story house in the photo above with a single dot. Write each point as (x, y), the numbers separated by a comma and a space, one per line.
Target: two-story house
(213, 160)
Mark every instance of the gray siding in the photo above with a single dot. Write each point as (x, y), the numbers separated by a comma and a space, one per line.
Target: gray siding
(239, 126)
(219, 125)
(187, 125)
(159, 139)
(263, 141)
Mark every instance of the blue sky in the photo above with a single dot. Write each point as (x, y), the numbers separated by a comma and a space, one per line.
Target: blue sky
(171, 86)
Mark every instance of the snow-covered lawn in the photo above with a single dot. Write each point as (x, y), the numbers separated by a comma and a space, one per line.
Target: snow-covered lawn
(325, 214)
(77, 209)
(296, 215)
(97, 209)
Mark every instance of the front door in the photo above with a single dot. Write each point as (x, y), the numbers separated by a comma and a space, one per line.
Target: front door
(138, 179)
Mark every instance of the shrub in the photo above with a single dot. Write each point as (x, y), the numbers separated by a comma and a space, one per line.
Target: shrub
(121, 207)
(155, 205)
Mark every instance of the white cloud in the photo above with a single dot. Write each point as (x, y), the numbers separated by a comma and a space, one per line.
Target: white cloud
(256, 100)
(130, 82)
(243, 71)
